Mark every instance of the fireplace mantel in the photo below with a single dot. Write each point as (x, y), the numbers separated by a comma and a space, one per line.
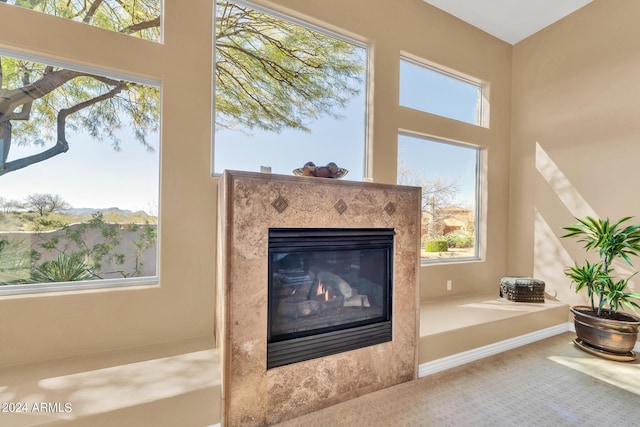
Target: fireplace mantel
(249, 205)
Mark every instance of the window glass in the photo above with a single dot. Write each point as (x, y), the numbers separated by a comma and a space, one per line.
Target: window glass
(140, 18)
(286, 94)
(448, 175)
(79, 174)
(435, 91)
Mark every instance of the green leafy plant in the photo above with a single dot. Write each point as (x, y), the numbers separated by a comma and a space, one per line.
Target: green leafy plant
(611, 241)
(147, 238)
(62, 269)
(79, 242)
(75, 243)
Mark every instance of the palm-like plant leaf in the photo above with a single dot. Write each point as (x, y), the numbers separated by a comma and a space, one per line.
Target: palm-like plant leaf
(62, 269)
(617, 296)
(590, 277)
(611, 240)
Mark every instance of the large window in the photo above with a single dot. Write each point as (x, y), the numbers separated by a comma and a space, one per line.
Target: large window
(139, 18)
(79, 174)
(287, 93)
(449, 176)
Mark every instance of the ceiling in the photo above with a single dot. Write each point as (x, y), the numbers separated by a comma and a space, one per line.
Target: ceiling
(510, 20)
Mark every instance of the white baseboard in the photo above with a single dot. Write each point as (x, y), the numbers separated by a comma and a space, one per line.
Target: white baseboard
(491, 349)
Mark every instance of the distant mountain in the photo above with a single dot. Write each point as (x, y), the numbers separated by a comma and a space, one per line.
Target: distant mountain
(84, 211)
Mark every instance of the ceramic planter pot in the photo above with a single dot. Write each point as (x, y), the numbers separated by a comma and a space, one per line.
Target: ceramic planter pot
(607, 336)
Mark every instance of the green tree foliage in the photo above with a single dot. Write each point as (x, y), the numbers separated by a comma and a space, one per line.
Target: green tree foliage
(270, 74)
(39, 103)
(137, 17)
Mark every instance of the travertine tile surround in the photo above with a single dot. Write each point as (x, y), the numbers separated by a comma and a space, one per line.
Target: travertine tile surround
(250, 204)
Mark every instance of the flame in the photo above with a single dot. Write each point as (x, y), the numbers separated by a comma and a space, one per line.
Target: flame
(322, 290)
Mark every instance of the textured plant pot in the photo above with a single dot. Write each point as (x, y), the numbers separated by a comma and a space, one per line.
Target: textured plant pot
(613, 336)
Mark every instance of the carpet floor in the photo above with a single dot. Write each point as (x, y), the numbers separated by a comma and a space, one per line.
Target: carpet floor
(548, 383)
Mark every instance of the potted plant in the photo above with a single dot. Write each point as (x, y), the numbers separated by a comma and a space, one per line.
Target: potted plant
(603, 328)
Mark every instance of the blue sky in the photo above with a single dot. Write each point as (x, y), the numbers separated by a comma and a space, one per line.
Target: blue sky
(90, 175)
(330, 140)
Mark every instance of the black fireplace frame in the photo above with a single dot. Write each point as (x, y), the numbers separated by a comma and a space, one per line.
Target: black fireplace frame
(285, 349)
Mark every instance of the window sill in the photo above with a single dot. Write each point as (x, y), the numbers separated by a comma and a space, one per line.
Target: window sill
(76, 286)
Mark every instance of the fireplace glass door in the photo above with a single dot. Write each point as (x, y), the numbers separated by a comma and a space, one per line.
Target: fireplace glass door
(329, 291)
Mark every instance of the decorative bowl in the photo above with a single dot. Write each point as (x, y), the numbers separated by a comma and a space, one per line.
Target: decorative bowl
(331, 170)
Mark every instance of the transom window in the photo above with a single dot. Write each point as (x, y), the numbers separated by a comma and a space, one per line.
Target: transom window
(139, 18)
(432, 90)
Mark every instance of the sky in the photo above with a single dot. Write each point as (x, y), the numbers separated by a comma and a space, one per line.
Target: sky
(91, 175)
(330, 140)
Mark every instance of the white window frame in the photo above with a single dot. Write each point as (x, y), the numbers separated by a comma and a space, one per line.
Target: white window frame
(482, 111)
(366, 144)
(478, 196)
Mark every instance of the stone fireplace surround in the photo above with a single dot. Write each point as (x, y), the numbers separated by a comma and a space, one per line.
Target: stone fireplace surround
(251, 203)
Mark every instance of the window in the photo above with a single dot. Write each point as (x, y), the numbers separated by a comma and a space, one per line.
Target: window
(448, 171)
(435, 91)
(140, 18)
(79, 174)
(287, 93)
(448, 175)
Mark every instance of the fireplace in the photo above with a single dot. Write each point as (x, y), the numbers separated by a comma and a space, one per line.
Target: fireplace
(309, 235)
(329, 291)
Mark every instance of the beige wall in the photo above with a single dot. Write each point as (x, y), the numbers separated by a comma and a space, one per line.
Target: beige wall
(41, 327)
(575, 134)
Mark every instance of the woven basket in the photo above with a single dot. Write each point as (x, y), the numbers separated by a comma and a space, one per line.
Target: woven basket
(522, 289)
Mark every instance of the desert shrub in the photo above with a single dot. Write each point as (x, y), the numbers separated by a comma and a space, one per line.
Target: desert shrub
(436, 246)
(62, 269)
(460, 240)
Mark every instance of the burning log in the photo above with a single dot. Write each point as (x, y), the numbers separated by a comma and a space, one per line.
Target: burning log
(329, 292)
(330, 284)
(298, 306)
(357, 301)
(328, 297)
(337, 282)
